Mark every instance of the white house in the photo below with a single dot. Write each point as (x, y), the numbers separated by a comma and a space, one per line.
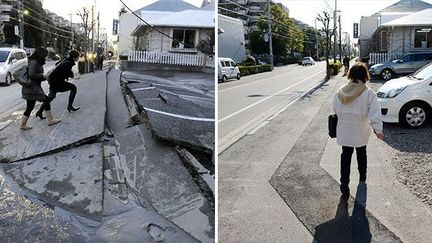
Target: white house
(371, 27)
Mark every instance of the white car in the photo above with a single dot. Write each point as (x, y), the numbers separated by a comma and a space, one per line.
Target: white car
(308, 61)
(408, 100)
(11, 60)
(227, 69)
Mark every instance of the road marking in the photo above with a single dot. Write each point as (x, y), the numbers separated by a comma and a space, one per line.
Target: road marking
(241, 85)
(147, 88)
(187, 96)
(181, 116)
(271, 96)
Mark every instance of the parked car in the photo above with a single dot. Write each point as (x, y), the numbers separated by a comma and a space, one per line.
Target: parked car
(11, 60)
(227, 69)
(407, 64)
(308, 61)
(408, 100)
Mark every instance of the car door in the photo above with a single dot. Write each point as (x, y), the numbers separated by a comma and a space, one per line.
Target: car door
(234, 71)
(229, 69)
(406, 65)
(14, 62)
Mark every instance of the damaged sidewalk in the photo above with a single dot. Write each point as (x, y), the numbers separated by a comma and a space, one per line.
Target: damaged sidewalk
(98, 176)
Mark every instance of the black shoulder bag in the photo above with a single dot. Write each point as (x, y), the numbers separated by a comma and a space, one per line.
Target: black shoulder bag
(332, 124)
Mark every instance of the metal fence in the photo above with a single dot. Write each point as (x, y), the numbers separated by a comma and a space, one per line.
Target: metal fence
(167, 58)
(375, 58)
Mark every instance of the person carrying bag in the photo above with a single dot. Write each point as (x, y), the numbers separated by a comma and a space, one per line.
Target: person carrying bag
(57, 80)
(357, 108)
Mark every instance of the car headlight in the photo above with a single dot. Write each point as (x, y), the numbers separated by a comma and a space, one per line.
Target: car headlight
(394, 92)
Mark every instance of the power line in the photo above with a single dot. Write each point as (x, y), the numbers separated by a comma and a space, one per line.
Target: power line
(53, 26)
(26, 23)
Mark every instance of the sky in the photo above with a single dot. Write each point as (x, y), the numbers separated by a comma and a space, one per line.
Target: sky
(108, 8)
(352, 10)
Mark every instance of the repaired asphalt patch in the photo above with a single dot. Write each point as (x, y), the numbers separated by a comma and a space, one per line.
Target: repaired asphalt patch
(313, 195)
(71, 179)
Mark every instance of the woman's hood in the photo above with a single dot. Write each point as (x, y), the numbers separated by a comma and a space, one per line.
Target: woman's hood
(350, 91)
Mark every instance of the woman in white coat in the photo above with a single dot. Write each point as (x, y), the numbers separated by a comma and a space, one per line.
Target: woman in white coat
(357, 108)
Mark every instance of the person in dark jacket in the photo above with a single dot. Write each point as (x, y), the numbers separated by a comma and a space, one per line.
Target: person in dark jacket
(34, 92)
(58, 82)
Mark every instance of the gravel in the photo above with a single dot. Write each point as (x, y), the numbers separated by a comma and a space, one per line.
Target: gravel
(412, 155)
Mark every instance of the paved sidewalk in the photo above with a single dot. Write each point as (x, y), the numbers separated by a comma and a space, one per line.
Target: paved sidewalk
(280, 184)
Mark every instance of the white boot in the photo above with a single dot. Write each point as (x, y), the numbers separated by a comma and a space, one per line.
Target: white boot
(51, 119)
(23, 125)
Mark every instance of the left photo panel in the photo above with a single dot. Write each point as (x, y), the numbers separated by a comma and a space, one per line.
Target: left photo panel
(107, 121)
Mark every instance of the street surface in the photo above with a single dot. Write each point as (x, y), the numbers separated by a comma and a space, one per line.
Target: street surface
(280, 183)
(97, 176)
(246, 104)
(10, 96)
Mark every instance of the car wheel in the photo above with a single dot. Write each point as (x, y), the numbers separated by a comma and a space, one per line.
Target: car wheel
(238, 76)
(414, 115)
(8, 79)
(224, 79)
(386, 74)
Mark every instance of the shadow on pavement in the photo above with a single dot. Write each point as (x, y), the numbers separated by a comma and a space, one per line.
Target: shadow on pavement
(344, 228)
(408, 140)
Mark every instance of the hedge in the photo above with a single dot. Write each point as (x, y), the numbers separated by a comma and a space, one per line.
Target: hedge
(248, 70)
(336, 67)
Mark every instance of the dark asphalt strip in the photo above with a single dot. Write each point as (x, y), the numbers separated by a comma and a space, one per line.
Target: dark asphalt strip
(313, 195)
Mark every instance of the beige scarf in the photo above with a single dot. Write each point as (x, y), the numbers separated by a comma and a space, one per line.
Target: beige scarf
(350, 91)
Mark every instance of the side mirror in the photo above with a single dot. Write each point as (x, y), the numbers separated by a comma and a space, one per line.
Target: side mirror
(13, 61)
(400, 61)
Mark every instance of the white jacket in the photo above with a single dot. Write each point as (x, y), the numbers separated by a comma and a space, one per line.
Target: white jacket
(353, 129)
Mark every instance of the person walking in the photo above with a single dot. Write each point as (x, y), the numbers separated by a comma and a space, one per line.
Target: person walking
(346, 61)
(58, 82)
(357, 108)
(34, 92)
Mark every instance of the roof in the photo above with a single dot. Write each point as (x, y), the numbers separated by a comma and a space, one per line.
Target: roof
(406, 6)
(209, 6)
(167, 5)
(422, 18)
(187, 18)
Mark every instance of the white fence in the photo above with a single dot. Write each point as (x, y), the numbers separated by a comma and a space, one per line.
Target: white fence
(375, 58)
(167, 58)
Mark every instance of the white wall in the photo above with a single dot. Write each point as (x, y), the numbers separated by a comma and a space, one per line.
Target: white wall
(231, 42)
(127, 23)
(368, 25)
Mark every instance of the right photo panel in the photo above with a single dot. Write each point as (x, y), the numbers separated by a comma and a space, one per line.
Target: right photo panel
(324, 120)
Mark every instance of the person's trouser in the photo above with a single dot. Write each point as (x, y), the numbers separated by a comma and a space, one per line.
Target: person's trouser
(30, 106)
(65, 86)
(346, 163)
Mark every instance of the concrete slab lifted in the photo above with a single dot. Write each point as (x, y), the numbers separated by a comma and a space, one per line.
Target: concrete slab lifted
(53, 162)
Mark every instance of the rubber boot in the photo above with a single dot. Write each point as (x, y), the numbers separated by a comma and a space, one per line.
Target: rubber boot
(51, 119)
(23, 125)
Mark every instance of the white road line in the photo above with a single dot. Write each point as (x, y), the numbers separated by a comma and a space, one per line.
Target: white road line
(181, 116)
(187, 96)
(147, 88)
(271, 96)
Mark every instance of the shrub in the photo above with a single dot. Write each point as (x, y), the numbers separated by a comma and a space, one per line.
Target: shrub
(335, 67)
(248, 70)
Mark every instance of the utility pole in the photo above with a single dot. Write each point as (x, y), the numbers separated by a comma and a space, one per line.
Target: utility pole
(270, 34)
(317, 42)
(340, 39)
(72, 37)
(21, 20)
(334, 31)
(98, 26)
(92, 28)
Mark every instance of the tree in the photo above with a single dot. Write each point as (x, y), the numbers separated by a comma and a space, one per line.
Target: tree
(286, 35)
(324, 18)
(88, 27)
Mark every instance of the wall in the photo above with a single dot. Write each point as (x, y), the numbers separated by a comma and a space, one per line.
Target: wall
(127, 23)
(230, 42)
(368, 25)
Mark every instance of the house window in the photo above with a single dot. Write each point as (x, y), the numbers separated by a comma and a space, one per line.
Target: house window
(183, 39)
(423, 38)
(384, 41)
